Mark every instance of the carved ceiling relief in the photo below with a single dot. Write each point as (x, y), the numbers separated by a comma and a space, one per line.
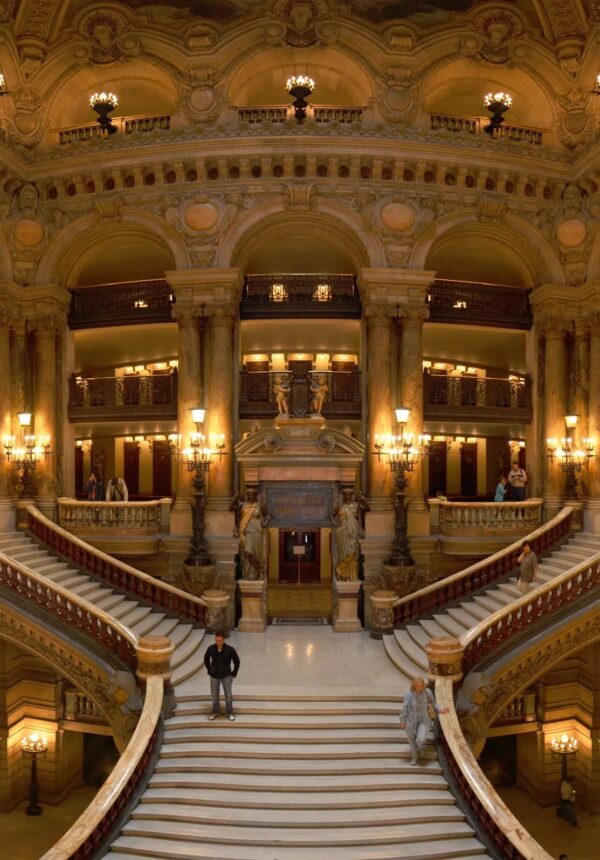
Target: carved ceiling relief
(497, 29)
(27, 239)
(577, 125)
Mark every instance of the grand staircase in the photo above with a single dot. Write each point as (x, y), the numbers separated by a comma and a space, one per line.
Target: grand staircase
(319, 774)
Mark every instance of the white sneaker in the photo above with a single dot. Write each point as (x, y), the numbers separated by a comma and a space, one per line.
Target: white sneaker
(230, 717)
(213, 716)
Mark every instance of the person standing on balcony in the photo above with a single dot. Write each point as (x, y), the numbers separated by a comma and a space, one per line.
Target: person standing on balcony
(222, 664)
(517, 478)
(94, 489)
(418, 712)
(116, 490)
(501, 489)
(529, 566)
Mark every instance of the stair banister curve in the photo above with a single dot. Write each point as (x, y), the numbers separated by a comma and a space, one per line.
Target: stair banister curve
(89, 832)
(114, 572)
(482, 573)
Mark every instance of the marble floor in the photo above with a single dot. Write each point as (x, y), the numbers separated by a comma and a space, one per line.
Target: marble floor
(309, 658)
(554, 834)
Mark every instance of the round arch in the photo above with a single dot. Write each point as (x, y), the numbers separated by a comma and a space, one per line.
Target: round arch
(75, 247)
(352, 244)
(523, 258)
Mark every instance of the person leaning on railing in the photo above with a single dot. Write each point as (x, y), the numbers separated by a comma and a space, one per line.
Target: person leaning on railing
(116, 490)
(418, 712)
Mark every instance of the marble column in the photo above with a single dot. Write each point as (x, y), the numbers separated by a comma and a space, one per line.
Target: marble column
(379, 396)
(594, 408)
(555, 403)
(411, 390)
(219, 416)
(5, 401)
(190, 326)
(44, 402)
(580, 395)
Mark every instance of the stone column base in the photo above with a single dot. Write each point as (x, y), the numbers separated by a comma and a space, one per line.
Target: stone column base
(216, 610)
(345, 613)
(254, 606)
(383, 613)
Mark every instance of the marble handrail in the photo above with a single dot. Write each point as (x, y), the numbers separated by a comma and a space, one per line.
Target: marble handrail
(70, 608)
(139, 517)
(87, 833)
(482, 572)
(461, 517)
(115, 573)
(505, 831)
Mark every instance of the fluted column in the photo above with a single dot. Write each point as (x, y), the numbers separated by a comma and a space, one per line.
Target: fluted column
(190, 326)
(555, 402)
(594, 407)
(379, 395)
(219, 418)
(411, 389)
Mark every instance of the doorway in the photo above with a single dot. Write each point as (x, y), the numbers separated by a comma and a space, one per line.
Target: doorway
(299, 556)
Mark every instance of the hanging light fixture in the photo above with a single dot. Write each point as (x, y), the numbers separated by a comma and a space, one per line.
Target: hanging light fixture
(103, 103)
(596, 89)
(300, 87)
(497, 104)
(2, 85)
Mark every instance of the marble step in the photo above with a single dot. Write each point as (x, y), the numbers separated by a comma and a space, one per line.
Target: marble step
(465, 619)
(418, 634)
(242, 750)
(268, 817)
(432, 628)
(413, 651)
(137, 613)
(251, 799)
(315, 767)
(109, 601)
(165, 849)
(475, 610)
(221, 832)
(409, 669)
(451, 626)
(408, 778)
(488, 603)
(239, 732)
(340, 699)
(147, 625)
(305, 723)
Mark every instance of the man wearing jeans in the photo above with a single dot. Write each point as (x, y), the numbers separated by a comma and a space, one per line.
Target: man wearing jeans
(222, 664)
(517, 478)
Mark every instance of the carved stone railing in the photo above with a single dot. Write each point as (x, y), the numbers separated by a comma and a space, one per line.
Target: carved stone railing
(123, 124)
(80, 707)
(89, 518)
(292, 295)
(476, 125)
(118, 575)
(126, 303)
(106, 398)
(447, 396)
(469, 518)
(69, 609)
(321, 114)
(482, 573)
(85, 837)
(257, 399)
(521, 709)
(502, 828)
(479, 304)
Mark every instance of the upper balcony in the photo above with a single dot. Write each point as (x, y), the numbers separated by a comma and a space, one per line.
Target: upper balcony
(117, 397)
(126, 303)
(459, 397)
(293, 295)
(473, 303)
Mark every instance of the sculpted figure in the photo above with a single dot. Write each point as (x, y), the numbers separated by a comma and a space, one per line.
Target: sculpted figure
(281, 390)
(348, 531)
(319, 387)
(251, 528)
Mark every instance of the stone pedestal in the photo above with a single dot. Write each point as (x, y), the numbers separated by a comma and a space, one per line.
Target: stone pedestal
(345, 611)
(217, 601)
(401, 580)
(197, 580)
(591, 516)
(21, 513)
(154, 658)
(383, 613)
(7, 515)
(444, 654)
(254, 606)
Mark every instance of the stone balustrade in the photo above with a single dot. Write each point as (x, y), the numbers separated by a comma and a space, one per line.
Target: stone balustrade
(80, 707)
(136, 518)
(471, 518)
(476, 125)
(123, 124)
(321, 114)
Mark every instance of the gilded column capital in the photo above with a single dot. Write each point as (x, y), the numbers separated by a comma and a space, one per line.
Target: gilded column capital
(188, 314)
(552, 322)
(413, 315)
(223, 313)
(47, 324)
(379, 313)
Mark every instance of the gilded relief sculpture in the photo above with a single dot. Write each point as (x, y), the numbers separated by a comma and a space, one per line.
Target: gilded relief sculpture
(251, 520)
(348, 531)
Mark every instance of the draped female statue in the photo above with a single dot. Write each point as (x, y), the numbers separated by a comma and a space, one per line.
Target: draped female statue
(251, 520)
(348, 531)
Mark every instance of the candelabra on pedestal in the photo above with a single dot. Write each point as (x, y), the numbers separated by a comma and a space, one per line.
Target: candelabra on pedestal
(570, 457)
(32, 746)
(26, 456)
(564, 747)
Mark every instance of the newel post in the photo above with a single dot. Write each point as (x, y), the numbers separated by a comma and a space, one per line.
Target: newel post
(444, 656)
(154, 658)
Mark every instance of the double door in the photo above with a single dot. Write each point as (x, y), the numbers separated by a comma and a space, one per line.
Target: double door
(299, 556)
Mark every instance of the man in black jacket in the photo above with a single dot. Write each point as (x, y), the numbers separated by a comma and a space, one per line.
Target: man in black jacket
(218, 660)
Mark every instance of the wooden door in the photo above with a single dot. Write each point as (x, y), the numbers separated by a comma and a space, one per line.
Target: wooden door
(438, 459)
(131, 468)
(468, 469)
(161, 468)
(299, 556)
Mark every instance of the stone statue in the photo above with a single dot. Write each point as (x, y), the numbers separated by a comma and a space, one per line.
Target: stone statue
(348, 531)
(281, 390)
(251, 519)
(319, 387)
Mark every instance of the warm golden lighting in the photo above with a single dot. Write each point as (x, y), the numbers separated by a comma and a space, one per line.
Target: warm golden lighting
(322, 361)
(198, 415)
(402, 414)
(278, 293)
(300, 81)
(498, 98)
(564, 745)
(571, 421)
(323, 293)
(24, 419)
(104, 98)
(34, 743)
(278, 362)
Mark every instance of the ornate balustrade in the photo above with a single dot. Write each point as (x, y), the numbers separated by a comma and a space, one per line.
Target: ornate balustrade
(476, 125)
(320, 114)
(521, 709)
(469, 518)
(123, 124)
(126, 303)
(136, 518)
(118, 575)
(257, 399)
(482, 573)
(78, 706)
(107, 398)
(479, 304)
(69, 609)
(293, 295)
(447, 397)
(85, 837)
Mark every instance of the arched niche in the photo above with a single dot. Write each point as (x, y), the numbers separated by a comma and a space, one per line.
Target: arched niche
(466, 255)
(261, 78)
(141, 87)
(458, 88)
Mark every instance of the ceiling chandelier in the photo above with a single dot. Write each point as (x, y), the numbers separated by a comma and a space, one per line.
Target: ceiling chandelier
(300, 87)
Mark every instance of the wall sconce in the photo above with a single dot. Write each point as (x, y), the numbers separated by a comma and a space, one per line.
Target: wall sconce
(300, 87)
(570, 457)
(2, 85)
(103, 103)
(84, 445)
(278, 293)
(26, 457)
(33, 745)
(322, 293)
(596, 89)
(497, 104)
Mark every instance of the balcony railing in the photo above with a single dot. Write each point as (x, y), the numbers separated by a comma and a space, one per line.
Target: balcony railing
(447, 397)
(461, 519)
(476, 125)
(126, 303)
(293, 295)
(257, 399)
(479, 304)
(110, 397)
(321, 114)
(123, 124)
